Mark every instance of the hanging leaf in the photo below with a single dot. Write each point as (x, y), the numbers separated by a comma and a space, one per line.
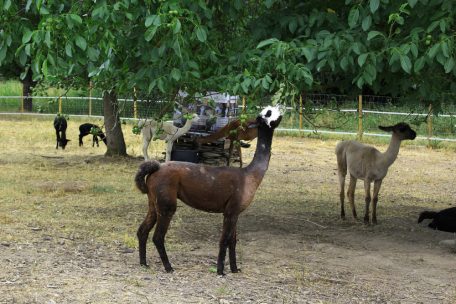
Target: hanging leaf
(374, 4)
(406, 64)
(26, 36)
(177, 26)
(81, 42)
(201, 34)
(176, 74)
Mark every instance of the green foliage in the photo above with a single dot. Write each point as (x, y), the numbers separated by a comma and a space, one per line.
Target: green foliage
(250, 48)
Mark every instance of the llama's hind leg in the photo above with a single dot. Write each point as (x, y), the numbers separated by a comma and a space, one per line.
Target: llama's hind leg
(351, 194)
(228, 233)
(377, 185)
(165, 212)
(342, 172)
(342, 194)
(143, 232)
(367, 199)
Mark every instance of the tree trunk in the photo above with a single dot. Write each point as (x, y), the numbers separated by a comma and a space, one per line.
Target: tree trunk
(114, 136)
(27, 88)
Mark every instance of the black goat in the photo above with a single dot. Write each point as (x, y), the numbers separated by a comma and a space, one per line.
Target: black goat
(444, 220)
(88, 128)
(60, 126)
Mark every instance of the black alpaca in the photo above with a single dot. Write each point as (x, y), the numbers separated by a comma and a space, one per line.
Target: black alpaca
(60, 126)
(86, 129)
(444, 220)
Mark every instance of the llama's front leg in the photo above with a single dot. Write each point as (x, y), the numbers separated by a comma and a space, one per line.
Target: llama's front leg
(229, 230)
(351, 194)
(377, 185)
(232, 253)
(239, 149)
(58, 138)
(143, 232)
(230, 153)
(146, 141)
(169, 149)
(367, 199)
(95, 141)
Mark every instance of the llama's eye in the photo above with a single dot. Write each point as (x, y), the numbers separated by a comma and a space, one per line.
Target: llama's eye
(268, 113)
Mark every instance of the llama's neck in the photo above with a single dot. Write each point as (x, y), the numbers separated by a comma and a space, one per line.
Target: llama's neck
(390, 155)
(187, 126)
(260, 161)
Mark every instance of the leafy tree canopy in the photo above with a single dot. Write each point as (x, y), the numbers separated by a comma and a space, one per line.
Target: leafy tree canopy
(400, 48)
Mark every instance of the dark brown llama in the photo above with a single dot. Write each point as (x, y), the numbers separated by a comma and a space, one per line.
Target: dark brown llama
(89, 128)
(224, 190)
(60, 126)
(235, 132)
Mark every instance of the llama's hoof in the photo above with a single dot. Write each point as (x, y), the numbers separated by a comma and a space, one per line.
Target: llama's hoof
(374, 221)
(169, 269)
(237, 270)
(145, 265)
(366, 221)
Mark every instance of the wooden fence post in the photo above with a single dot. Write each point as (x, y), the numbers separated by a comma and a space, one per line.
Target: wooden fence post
(300, 112)
(90, 98)
(135, 106)
(22, 102)
(243, 104)
(429, 125)
(360, 117)
(60, 104)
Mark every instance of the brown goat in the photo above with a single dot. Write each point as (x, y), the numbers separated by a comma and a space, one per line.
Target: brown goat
(235, 132)
(224, 190)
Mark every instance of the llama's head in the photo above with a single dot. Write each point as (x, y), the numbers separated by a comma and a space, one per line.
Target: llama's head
(271, 116)
(63, 142)
(402, 130)
(195, 117)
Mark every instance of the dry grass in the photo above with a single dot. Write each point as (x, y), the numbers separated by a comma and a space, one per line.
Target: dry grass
(291, 240)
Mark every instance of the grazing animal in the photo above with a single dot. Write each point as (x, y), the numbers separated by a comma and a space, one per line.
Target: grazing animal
(60, 126)
(224, 190)
(149, 129)
(88, 128)
(367, 163)
(235, 132)
(444, 220)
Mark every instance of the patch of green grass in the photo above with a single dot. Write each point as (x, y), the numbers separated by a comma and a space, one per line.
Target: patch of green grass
(102, 189)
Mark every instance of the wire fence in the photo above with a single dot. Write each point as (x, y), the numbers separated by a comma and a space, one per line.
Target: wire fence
(322, 113)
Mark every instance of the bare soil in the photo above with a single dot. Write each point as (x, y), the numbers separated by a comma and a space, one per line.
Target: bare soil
(60, 243)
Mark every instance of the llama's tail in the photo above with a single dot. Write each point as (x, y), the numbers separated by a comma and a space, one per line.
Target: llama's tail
(341, 158)
(426, 215)
(145, 169)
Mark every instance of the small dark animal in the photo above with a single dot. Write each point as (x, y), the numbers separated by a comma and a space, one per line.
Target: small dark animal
(224, 190)
(88, 128)
(60, 126)
(444, 220)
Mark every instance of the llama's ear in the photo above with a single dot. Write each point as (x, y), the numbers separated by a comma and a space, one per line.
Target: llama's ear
(386, 129)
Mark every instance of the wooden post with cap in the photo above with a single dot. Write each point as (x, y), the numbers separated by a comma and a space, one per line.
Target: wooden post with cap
(360, 117)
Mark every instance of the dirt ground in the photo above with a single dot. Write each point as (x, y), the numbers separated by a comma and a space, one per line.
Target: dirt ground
(292, 247)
